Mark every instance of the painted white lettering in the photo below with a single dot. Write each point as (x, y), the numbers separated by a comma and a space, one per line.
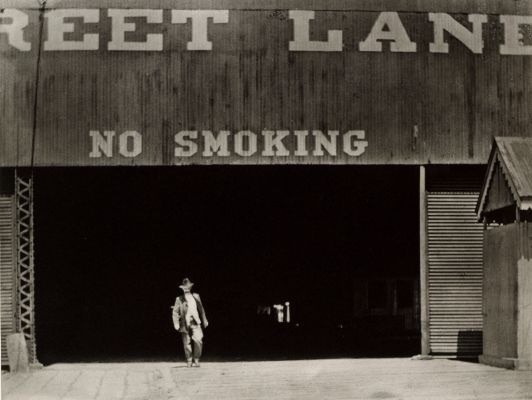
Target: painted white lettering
(396, 33)
(101, 143)
(57, 27)
(200, 37)
(301, 143)
(215, 144)
(15, 29)
(302, 40)
(513, 35)
(130, 144)
(187, 147)
(153, 42)
(354, 147)
(251, 143)
(324, 142)
(471, 39)
(274, 140)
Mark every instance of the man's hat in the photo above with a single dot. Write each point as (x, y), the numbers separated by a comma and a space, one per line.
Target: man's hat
(186, 284)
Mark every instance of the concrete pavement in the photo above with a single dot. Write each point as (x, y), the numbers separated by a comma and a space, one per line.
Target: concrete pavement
(302, 379)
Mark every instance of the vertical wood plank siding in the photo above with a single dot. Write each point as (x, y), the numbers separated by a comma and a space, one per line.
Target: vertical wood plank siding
(7, 269)
(455, 241)
(502, 250)
(416, 108)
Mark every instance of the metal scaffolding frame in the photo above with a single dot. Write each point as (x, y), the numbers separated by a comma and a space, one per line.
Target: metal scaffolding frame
(25, 265)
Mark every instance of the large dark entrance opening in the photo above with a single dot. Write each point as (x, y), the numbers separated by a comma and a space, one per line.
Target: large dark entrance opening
(339, 243)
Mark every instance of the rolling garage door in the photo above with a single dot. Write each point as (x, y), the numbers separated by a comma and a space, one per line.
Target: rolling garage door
(455, 273)
(7, 269)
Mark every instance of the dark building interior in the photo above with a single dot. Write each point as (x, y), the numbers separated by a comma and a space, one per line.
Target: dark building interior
(340, 244)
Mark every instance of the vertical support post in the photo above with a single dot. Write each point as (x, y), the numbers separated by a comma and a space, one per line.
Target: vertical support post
(423, 265)
(25, 307)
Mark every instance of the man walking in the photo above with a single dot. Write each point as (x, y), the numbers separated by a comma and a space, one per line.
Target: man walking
(188, 316)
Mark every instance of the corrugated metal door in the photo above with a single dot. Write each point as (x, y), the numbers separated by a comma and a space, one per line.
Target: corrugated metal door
(7, 269)
(454, 273)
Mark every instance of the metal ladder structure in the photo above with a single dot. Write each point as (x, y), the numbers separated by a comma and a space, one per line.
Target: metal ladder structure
(25, 265)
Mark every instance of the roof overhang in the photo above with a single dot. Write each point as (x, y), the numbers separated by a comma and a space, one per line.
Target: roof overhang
(514, 156)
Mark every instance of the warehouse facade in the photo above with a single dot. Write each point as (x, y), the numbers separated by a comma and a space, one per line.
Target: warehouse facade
(423, 85)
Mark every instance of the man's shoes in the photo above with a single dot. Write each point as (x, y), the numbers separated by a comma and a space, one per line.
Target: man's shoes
(189, 363)
(196, 363)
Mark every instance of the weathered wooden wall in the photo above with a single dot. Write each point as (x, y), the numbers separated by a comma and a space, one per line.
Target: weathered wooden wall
(501, 252)
(416, 108)
(524, 299)
(449, 6)
(508, 295)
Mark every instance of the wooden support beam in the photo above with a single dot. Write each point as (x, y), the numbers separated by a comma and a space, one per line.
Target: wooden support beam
(423, 266)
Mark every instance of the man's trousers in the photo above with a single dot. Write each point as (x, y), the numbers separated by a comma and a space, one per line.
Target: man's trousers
(193, 342)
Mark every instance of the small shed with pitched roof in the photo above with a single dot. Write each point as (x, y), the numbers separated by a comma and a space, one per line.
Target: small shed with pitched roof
(505, 206)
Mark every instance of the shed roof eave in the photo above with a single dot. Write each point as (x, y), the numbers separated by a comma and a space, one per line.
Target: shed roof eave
(507, 168)
(526, 204)
(487, 179)
(513, 156)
